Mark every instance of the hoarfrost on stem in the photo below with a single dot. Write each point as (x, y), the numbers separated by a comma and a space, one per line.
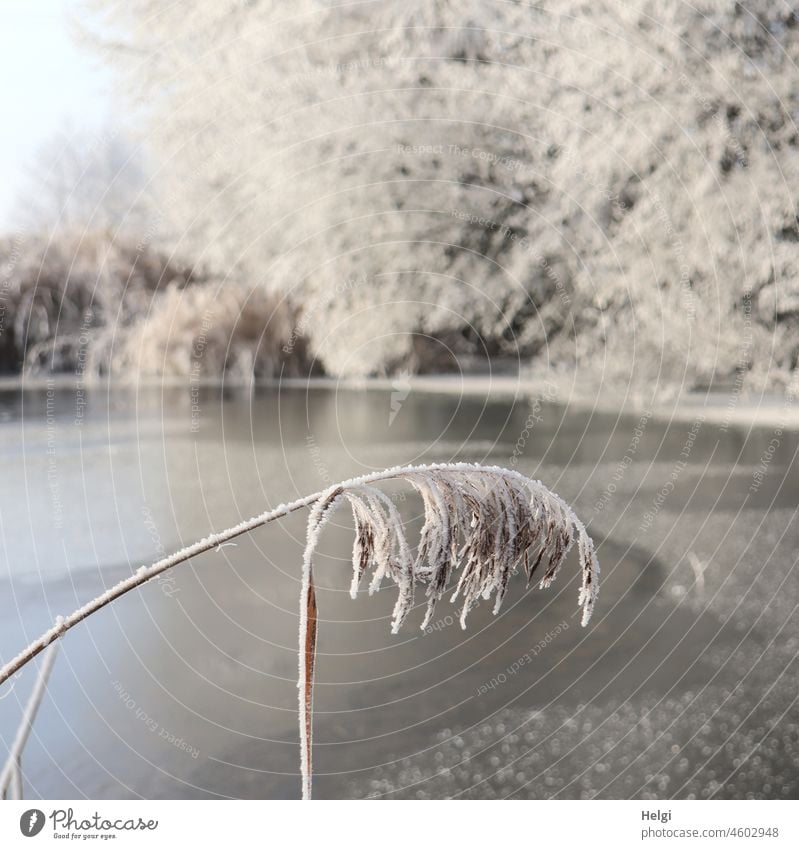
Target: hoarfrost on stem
(481, 522)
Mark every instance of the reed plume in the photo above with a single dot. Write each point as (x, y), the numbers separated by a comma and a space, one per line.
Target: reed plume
(481, 524)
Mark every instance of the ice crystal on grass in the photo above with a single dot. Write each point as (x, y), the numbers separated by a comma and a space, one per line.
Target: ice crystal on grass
(481, 525)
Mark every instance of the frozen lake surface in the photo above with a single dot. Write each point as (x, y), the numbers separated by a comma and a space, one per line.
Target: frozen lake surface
(683, 684)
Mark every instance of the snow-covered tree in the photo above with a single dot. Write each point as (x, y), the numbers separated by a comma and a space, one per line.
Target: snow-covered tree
(600, 185)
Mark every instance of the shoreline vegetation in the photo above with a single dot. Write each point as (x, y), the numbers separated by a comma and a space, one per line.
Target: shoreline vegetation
(607, 225)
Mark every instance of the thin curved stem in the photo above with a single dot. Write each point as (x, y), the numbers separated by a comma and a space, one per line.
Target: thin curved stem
(147, 573)
(11, 776)
(142, 576)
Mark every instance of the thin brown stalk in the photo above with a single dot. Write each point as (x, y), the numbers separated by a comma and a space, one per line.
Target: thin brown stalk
(309, 659)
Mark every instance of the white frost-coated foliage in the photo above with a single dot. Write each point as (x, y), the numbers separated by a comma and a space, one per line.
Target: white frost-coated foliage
(94, 302)
(603, 178)
(481, 524)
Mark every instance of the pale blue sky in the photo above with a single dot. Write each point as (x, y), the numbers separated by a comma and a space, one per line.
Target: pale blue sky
(47, 82)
